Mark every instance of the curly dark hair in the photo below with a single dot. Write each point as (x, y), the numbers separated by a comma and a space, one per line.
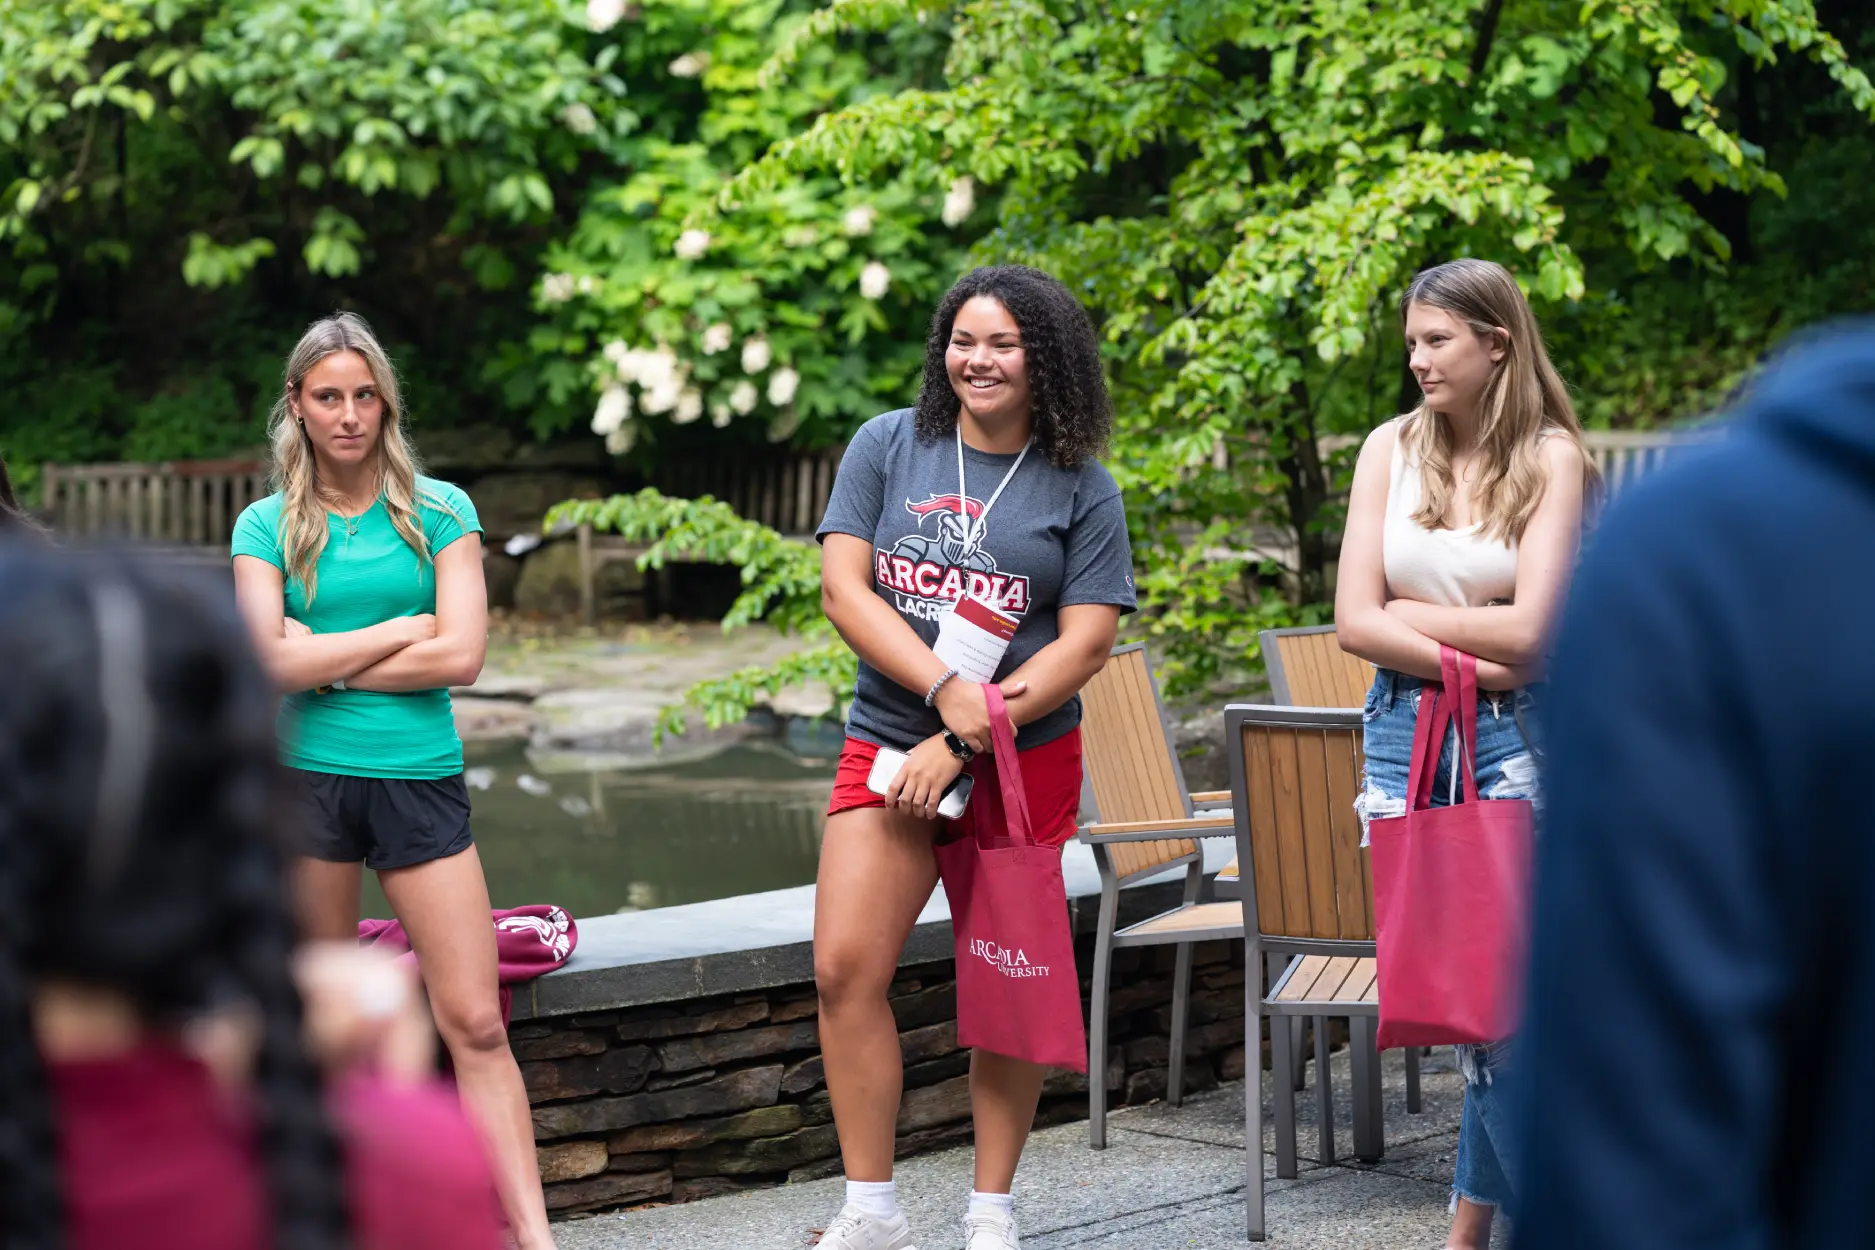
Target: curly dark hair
(1070, 412)
(141, 851)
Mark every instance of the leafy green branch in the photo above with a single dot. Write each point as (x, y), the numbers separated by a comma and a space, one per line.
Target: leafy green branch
(727, 700)
(780, 585)
(780, 576)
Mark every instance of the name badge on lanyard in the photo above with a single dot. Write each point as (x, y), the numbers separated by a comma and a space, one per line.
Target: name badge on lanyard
(974, 634)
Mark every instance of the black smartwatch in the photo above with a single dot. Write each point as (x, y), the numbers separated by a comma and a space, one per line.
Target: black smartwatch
(958, 747)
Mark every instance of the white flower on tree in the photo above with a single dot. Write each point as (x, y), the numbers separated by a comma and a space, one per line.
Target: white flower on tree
(717, 338)
(650, 369)
(579, 119)
(689, 65)
(960, 201)
(756, 355)
(587, 284)
(874, 279)
(662, 396)
(720, 413)
(782, 385)
(689, 406)
(691, 244)
(557, 288)
(858, 220)
(615, 404)
(614, 351)
(604, 14)
(742, 398)
(620, 441)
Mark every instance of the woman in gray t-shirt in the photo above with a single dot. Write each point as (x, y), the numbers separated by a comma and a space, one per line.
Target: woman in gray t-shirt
(989, 488)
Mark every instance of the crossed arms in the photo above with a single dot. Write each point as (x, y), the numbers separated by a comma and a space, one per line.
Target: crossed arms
(403, 653)
(1511, 640)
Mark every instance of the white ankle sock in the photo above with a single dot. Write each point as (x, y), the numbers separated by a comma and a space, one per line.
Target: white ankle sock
(991, 1204)
(878, 1199)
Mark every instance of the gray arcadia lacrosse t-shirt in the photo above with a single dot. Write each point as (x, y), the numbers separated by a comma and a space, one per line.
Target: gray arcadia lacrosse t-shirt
(1055, 537)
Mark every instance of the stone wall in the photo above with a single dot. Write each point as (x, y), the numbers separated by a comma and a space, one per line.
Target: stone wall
(680, 1101)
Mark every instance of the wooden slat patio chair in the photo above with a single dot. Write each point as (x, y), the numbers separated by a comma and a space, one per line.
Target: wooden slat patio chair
(1308, 668)
(1148, 823)
(1309, 905)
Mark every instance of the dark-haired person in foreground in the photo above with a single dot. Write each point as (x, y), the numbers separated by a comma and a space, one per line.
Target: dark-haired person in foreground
(1697, 1048)
(1015, 404)
(157, 1090)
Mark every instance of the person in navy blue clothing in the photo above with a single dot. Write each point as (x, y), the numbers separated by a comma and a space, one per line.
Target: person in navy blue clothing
(1702, 998)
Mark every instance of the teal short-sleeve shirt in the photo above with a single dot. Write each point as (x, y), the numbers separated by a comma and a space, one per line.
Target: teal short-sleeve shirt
(365, 578)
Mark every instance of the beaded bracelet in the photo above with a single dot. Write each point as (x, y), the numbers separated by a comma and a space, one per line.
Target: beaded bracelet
(930, 696)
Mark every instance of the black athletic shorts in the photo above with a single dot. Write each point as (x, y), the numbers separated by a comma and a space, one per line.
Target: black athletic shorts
(386, 822)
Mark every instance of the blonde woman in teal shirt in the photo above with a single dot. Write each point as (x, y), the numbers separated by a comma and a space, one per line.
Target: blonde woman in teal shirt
(361, 583)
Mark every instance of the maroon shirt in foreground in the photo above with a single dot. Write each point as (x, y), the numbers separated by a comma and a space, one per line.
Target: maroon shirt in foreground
(156, 1157)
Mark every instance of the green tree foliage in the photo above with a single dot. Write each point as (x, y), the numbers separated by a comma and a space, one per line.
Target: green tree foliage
(188, 182)
(636, 216)
(1240, 190)
(794, 318)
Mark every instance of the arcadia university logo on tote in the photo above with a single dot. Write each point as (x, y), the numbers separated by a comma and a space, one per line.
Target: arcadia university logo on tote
(928, 572)
(1008, 960)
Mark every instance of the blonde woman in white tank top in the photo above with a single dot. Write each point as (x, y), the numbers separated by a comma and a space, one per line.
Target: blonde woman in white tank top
(1462, 531)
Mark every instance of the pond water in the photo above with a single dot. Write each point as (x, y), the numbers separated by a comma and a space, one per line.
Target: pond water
(613, 840)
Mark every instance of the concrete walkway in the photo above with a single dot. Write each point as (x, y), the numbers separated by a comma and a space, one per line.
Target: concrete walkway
(1171, 1177)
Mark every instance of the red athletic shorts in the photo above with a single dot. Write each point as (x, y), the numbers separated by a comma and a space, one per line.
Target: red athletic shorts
(1051, 775)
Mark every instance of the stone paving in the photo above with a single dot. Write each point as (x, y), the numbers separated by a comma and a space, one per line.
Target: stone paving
(1172, 1178)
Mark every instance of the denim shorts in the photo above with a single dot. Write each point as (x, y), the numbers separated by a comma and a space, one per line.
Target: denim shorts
(1508, 760)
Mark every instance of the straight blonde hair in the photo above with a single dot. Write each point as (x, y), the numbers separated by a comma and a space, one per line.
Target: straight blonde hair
(1524, 400)
(305, 500)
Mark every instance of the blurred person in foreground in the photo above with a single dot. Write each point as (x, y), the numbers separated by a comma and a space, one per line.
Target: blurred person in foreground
(158, 1078)
(1700, 1009)
(14, 519)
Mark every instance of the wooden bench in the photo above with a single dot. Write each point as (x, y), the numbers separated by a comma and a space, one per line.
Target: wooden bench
(187, 506)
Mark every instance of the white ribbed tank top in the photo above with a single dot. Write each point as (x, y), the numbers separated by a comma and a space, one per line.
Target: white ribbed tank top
(1454, 568)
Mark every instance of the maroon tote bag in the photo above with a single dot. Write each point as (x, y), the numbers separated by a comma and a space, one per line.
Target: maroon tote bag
(1017, 990)
(1451, 885)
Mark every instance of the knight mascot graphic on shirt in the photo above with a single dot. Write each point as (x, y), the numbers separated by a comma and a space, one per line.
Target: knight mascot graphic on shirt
(929, 570)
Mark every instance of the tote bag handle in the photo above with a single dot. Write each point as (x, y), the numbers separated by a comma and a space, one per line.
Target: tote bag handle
(1008, 770)
(1457, 694)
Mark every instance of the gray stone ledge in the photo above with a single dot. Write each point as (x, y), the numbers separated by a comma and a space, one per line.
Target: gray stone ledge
(762, 941)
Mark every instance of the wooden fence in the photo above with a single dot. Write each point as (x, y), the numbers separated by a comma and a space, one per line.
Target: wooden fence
(785, 490)
(194, 503)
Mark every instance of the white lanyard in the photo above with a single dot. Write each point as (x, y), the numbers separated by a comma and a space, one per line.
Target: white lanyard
(974, 529)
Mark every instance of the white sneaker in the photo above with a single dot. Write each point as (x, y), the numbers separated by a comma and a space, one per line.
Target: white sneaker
(990, 1231)
(853, 1229)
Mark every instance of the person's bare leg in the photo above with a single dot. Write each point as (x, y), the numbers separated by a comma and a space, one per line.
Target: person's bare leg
(876, 873)
(326, 894)
(444, 907)
(1471, 1226)
(1004, 1093)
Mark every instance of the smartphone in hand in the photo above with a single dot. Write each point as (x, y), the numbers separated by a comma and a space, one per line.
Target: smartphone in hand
(886, 766)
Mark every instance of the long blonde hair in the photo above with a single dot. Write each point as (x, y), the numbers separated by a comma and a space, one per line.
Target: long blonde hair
(1524, 400)
(295, 471)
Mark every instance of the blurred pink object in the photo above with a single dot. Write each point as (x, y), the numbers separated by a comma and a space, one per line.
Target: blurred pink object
(529, 942)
